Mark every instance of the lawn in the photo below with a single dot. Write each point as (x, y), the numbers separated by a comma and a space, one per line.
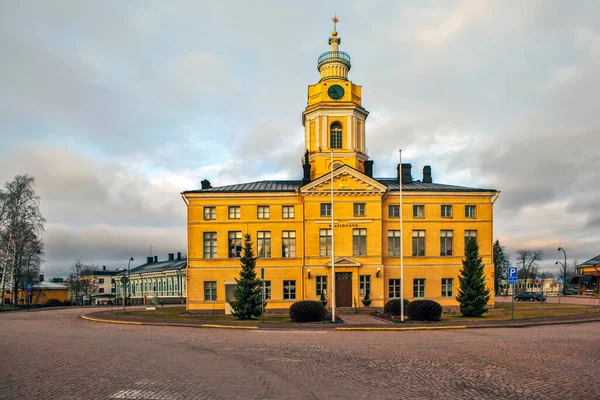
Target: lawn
(502, 311)
(179, 314)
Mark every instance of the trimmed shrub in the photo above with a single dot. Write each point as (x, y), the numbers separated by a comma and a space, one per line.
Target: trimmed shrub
(53, 303)
(307, 311)
(393, 307)
(424, 310)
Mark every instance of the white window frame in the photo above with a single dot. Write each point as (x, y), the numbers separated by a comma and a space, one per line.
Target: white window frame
(234, 212)
(210, 213)
(263, 212)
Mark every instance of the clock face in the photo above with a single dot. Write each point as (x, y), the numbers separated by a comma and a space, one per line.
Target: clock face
(336, 92)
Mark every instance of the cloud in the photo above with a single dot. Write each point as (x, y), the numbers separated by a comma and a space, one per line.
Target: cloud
(108, 245)
(117, 107)
(81, 191)
(451, 23)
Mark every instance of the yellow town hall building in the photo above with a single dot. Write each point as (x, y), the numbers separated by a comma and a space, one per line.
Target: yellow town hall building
(290, 221)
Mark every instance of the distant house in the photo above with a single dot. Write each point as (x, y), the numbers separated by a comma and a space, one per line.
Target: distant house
(41, 292)
(45, 291)
(104, 282)
(546, 285)
(154, 281)
(588, 276)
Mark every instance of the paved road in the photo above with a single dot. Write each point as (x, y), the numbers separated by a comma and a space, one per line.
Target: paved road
(581, 300)
(55, 355)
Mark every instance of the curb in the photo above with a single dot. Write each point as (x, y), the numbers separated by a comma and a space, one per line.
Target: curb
(414, 328)
(205, 326)
(110, 321)
(251, 328)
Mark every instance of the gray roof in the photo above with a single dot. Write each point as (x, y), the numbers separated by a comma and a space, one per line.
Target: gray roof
(293, 186)
(417, 186)
(159, 266)
(49, 285)
(100, 273)
(593, 262)
(260, 186)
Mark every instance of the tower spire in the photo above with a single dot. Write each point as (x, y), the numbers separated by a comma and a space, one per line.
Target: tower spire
(335, 21)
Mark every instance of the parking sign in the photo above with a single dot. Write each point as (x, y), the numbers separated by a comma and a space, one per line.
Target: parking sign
(512, 276)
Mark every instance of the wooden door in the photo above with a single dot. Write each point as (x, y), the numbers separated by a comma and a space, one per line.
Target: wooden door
(343, 289)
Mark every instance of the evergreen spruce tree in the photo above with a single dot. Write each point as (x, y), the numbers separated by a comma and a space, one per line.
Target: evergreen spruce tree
(501, 263)
(247, 294)
(473, 296)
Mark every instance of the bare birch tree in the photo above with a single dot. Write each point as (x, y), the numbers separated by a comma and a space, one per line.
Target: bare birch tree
(528, 260)
(21, 223)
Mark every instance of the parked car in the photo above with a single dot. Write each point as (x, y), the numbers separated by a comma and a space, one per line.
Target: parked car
(530, 296)
(572, 291)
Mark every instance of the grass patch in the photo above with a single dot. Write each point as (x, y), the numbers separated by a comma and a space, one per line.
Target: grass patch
(179, 314)
(529, 310)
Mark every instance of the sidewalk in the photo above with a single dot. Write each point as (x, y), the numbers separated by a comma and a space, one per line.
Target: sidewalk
(366, 322)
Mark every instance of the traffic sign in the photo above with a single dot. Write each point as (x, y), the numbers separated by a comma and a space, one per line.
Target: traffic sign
(537, 281)
(512, 276)
(560, 281)
(29, 287)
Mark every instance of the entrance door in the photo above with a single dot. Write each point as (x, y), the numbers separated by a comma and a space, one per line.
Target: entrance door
(228, 296)
(343, 289)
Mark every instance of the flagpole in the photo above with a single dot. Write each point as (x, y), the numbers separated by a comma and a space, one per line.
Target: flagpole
(332, 248)
(401, 246)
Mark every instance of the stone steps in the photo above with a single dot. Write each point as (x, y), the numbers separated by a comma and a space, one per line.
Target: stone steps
(352, 310)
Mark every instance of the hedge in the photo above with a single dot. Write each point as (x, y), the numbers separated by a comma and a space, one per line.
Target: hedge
(393, 306)
(307, 311)
(424, 310)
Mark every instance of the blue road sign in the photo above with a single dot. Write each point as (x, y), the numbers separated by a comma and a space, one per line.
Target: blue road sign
(560, 281)
(512, 276)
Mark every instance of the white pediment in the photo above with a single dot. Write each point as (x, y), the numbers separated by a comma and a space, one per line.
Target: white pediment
(345, 262)
(346, 181)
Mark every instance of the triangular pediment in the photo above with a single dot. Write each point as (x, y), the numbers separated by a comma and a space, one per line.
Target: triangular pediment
(345, 262)
(346, 180)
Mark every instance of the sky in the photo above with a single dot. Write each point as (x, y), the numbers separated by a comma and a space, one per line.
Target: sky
(116, 107)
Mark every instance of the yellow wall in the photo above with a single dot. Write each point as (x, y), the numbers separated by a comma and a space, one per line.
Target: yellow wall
(308, 222)
(42, 296)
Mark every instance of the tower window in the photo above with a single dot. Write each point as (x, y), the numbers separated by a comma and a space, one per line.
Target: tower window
(336, 135)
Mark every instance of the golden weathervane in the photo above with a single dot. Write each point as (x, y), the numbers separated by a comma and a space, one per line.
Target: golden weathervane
(335, 21)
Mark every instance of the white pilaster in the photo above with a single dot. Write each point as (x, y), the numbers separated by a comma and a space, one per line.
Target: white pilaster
(349, 128)
(307, 134)
(356, 133)
(364, 143)
(317, 132)
(325, 130)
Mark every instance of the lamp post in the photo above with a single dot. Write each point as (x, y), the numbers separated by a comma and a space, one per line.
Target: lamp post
(128, 280)
(564, 271)
(564, 283)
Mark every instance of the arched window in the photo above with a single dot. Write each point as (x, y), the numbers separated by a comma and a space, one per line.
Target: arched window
(335, 133)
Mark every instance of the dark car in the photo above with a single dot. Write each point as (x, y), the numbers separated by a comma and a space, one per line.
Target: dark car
(530, 296)
(572, 291)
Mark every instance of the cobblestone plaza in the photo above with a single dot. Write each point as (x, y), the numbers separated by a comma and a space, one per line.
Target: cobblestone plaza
(61, 356)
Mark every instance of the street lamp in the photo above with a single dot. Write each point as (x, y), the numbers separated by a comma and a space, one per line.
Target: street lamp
(128, 280)
(564, 271)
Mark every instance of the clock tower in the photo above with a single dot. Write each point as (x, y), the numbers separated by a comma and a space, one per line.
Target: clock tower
(334, 119)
